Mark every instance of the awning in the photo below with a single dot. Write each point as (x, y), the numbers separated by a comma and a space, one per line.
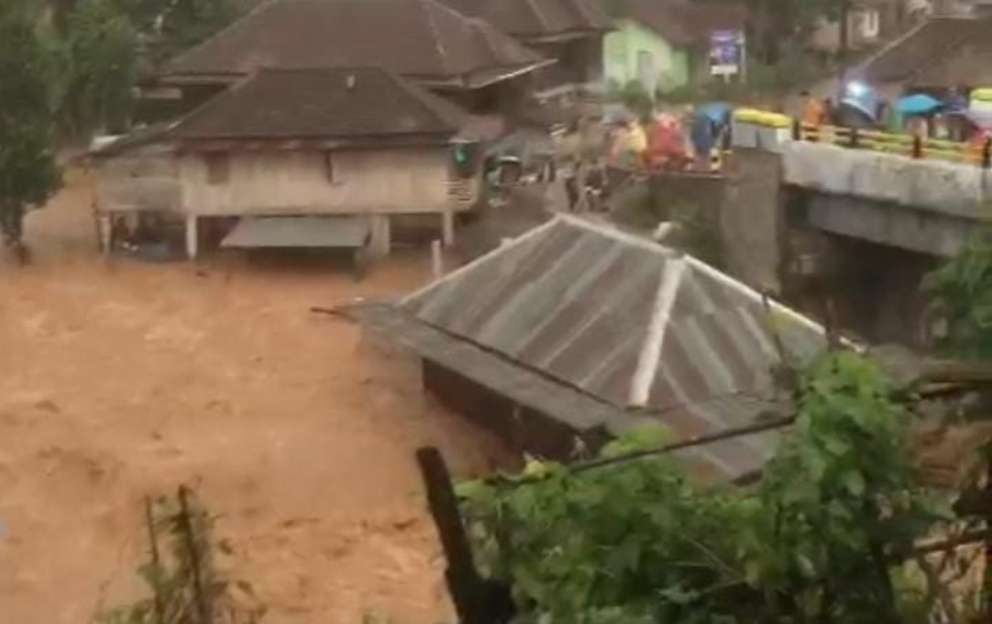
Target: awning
(305, 232)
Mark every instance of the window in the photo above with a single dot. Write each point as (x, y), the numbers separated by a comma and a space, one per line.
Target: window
(218, 167)
(329, 166)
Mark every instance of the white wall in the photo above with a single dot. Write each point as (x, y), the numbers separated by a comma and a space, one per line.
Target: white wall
(398, 180)
(143, 178)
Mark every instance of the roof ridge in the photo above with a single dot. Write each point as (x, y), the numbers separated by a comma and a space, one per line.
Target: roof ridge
(862, 67)
(649, 358)
(426, 5)
(692, 262)
(418, 94)
(216, 100)
(538, 14)
(265, 4)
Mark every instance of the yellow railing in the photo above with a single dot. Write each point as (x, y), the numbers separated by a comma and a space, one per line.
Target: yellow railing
(901, 144)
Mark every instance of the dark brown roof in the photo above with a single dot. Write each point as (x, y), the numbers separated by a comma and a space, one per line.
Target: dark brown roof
(299, 108)
(941, 52)
(685, 23)
(321, 103)
(421, 39)
(537, 19)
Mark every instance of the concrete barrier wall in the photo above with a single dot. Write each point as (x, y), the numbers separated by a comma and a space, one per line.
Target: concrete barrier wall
(958, 190)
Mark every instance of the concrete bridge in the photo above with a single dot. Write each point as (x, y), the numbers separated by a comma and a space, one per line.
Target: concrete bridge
(919, 205)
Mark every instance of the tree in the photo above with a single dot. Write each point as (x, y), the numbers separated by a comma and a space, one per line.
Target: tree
(28, 171)
(961, 290)
(172, 26)
(99, 67)
(822, 537)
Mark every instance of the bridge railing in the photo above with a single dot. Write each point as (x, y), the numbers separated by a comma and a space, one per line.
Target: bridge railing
(908, 145)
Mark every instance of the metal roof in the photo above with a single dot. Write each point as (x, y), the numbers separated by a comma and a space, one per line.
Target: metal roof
(579, 301)
(632, 324)
(582, 413)
(306, 232)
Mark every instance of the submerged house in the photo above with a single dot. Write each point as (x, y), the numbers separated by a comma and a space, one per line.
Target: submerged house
(361, 145)
(575, 331)
(425, 41)
(568, 31)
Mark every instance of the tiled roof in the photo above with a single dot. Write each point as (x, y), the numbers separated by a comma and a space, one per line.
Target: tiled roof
(320, 103)
(294, 108)
(537, 18)
(422, 39)
(628, 323)
(941, 52)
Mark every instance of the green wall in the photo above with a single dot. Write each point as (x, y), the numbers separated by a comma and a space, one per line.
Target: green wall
(622, 48)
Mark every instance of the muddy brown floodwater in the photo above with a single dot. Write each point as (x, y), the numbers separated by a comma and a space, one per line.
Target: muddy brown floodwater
(125, 380)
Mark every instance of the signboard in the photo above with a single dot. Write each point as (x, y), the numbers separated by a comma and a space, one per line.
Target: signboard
(726, 52)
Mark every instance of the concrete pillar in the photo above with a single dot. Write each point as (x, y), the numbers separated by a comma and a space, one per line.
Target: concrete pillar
(104, 226)
(448, 227)
(380, 241)
(192, 236)
(437, 260)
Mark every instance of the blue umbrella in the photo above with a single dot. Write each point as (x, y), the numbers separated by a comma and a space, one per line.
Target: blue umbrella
(717, 112)
(919, 104)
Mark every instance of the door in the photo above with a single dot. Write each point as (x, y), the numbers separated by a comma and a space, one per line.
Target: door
(646, 73)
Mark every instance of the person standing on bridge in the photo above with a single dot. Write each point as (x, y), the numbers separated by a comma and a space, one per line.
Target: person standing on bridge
(814, 111)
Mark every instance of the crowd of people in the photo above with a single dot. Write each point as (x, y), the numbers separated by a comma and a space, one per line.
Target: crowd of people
(670, 141)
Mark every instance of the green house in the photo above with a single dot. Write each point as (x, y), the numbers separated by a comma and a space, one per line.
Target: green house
(663, 44)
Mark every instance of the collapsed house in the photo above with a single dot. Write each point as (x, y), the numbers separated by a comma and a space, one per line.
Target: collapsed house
(298, 158)
(573, 333)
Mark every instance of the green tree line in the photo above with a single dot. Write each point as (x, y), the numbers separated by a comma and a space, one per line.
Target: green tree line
(69, 68)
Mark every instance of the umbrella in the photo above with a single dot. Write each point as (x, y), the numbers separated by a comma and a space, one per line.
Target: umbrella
(919, 104)
(717, 112)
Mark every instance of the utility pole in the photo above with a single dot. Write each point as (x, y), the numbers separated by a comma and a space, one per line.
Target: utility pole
(845, 31)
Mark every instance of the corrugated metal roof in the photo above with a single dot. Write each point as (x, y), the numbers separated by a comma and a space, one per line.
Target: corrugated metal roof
(574, 302)
(304, 232)
(727, 459)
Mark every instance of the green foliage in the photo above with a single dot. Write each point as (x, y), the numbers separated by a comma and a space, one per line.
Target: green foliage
(181, 576)
(28, 172)
(961, 290)
(99, 53)
(172, 26)
(817, 540)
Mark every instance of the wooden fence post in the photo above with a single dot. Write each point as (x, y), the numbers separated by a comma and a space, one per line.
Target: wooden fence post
(917, 146)
(987, 154)
(477, 601)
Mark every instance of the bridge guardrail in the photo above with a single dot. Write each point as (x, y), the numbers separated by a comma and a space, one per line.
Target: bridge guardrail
(908, 145)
